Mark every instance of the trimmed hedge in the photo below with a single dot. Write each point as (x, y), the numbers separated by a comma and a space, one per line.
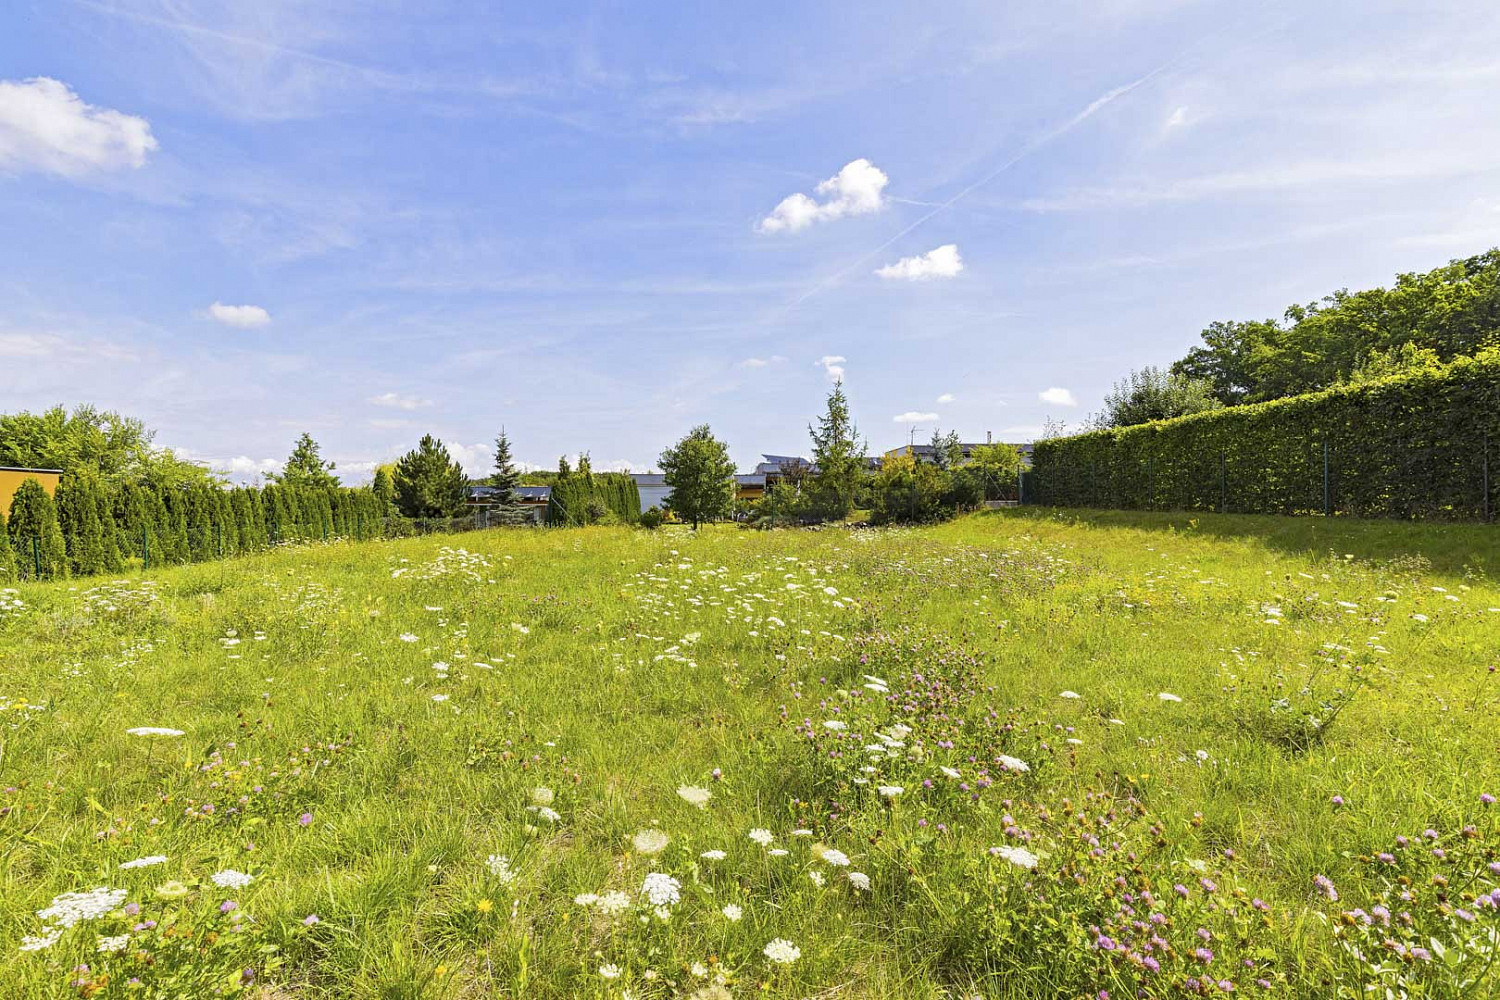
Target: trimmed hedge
(1420, 445)
(573, 494)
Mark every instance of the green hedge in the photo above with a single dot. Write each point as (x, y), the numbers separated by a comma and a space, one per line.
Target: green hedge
(571, 495)
(1420, 445)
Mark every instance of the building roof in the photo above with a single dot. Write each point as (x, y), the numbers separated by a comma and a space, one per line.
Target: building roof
(649, 478)
(22, 468)
(533, 493)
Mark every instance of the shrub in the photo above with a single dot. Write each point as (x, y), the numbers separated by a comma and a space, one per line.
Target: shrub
(1411, 445)
(651, 518)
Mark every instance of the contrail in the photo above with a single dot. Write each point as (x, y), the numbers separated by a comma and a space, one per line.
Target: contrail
(1031, 146)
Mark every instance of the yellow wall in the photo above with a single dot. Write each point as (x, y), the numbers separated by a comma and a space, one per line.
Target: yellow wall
(10, 479)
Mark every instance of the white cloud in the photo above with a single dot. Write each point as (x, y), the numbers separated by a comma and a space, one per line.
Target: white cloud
(1058, 397)
(855, 190)
(762, 362)
(913, 417)
(943, 262)
(399, 402)
(46, 127)
(1178, 117)
(244, 317)
(946, 397)
(833, 365)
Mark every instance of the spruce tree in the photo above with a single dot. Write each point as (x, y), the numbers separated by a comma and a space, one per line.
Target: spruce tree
(839, 456)
(305, 466)
(429, 483)
(504, 481)
(35, 537)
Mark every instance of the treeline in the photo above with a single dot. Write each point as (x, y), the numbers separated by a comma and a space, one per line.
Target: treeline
(1419, 444)
(91, 527)
(1346, 338)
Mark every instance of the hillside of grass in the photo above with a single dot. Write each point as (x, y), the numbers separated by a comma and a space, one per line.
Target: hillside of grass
(1024, 754)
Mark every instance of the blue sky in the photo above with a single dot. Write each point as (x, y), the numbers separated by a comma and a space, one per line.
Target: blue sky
(600, 225)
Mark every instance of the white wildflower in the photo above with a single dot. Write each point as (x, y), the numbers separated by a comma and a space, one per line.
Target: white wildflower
(714, 855)
(694, 795)
(860, 881)
(154, 731)
(661, 890)
(650, 841)
(146, 862)
(837, 858)
(108, 945)
(74, 907)
(613, 903)
(732, 913)
(1012, 763)
(762, 837)
(499, 866)
(231, 879)
(1168, 696)
(1018, 856)
(1070, 694)
(782, 952)
(609, 970)
(890, 791)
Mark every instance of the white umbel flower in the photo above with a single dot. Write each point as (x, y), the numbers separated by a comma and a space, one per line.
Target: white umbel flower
(782, 952)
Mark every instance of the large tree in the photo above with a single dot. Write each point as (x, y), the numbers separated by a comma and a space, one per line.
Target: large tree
(1453, 311)
(838, 456)
(505, 478)
(701, 475)
(1155, 394)
(118, 448)
(384, 490)
(429, 483)
(305, 467)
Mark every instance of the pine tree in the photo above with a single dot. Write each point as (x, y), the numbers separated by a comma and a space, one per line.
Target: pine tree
(305, 466)
(429, 483)
(839, 456)
(108, 530)
(35, 537)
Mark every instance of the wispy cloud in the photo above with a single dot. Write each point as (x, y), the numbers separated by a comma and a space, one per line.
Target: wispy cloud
(833, 365)
(914, 417)
(761, 362)
(46, 127)
(398, 401)
(946, 397)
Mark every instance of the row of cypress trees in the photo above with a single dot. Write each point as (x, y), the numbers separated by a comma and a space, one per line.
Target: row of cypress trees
(90, 528)
(586, 497)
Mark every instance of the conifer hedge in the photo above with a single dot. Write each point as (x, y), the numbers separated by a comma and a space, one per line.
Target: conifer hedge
(574, 494)
(1418, 445)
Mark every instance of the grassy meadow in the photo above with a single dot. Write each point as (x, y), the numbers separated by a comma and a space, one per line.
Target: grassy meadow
(1024, 754)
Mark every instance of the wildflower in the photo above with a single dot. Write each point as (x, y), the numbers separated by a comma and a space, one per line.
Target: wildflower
(650, 842)
(613, 903)
(311, 920)
(172, 890)
(439, 697)
(305, 819)
(1337, 801)
(732, 913)
(542, 796)
(693, 795)
(782, 952)
(835, 725)
(762, 837)
(890, 791)
(1168, 696)
(1070, 694)
(484, 905)
(777, 852)
(75, 907)
(499, 866)
(42, 941)
(1018, 856)
(154, 731)
(1012, 763)
(146, 862)
(546, 812)
(609, 971)
(228, 905)
(408, 637)
(951, 772)
(1485, 798)
(661, 890)
(860, 881)
(714, 855)
(586, 898)
(230, 879)
(817, 878)
(1325, 886)
(837, 858)
(108, 945)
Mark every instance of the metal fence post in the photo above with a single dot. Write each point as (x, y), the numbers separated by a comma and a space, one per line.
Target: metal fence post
(36, 557)
(1326, 505)
(1223, 484)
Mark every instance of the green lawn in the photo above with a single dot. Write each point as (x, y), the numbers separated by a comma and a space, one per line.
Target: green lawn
(1024, 754)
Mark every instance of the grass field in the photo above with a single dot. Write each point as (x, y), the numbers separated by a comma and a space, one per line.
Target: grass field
(1024, 754)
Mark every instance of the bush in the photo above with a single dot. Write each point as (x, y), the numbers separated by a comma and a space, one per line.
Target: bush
(651, 518)
(1410, 446)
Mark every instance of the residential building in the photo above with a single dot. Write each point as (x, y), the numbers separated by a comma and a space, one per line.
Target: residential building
(11, 478)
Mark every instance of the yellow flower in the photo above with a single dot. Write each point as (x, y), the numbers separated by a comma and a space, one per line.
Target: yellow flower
(440, 971)
(484, 906)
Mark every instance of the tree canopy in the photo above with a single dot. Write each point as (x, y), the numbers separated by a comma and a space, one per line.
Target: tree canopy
(839, 455)
(1155, 394)
(116, 447)
(1452, 311)
(701, 475)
